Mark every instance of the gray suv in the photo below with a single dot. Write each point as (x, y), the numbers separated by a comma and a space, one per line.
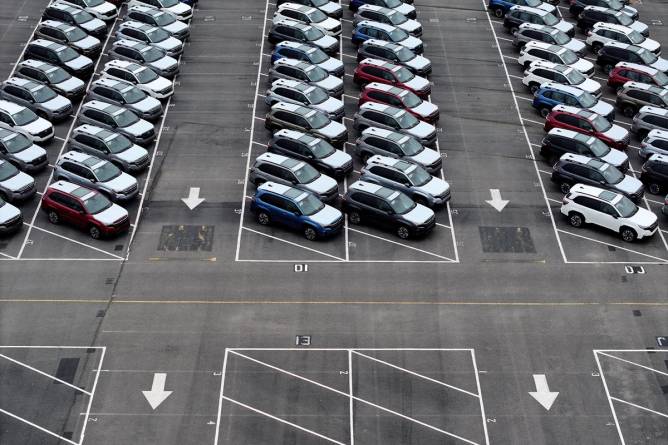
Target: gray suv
(633, 96)
(125, 94)
(312, 74)
(41, 99)
(301, 93)
(532, 31)
(18, 149)
(384, 142)
(69, 35)
(98, 174)
(52, 76)
(288, 171)
(14, 184)
(372, 114)
(145, 55)
(408, 178)
(119, 119)
(111, 146)
(648, 119)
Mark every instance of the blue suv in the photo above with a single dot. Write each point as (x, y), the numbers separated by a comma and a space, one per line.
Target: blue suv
(310, 54)
(501, 7)
(551, 94)
(296, 209)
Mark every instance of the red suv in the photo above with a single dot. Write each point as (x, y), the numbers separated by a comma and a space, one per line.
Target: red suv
(586, 122)
(400, 98)
(84, 208)
(631, 72)
(373, 70)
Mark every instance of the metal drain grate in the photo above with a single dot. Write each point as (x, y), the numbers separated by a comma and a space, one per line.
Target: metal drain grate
(184, 238)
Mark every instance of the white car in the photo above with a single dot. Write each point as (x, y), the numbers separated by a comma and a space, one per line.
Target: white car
(542, 71)
(101, 9)
(604, 208)
(144, 78)
(308, 15)
(180, 10)
(533, 51)
(11, 218)
(19, 118)
(603, 33)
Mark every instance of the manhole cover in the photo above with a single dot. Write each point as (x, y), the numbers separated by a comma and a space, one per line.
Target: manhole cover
(186, 238)
(506, 240)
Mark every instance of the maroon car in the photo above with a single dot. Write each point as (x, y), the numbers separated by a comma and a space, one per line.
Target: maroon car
(587, 122)
(373, 70)
(400, 98)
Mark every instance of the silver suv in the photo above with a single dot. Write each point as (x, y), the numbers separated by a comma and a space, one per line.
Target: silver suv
(151, 35)
(69, 35)
(312, 74)
(529, 32)
(119, 119)
(146, 55)
(145, 78)
(407, 177)
(288, 171)
(91, 172)
(301, 93)
(648, 119)
(376, 140)
(14, 184)
(163, 19)
(52, 76)
(18, 149)
(656, 142)
(372, 114)
(111, 146)
(125, 94)
(39, 98)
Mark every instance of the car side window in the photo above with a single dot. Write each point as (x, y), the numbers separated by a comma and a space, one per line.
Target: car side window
(656, 121)
(58, 197)
(582, 149)
(587, 202)
(547, 74)
(645, 78)
(282, 115)
(633, 57)
(298, 120)
(6, 119)
(584, 124)
(607, 208)
(655, 99)
(567, 119)
(373, 71)
(365, 199)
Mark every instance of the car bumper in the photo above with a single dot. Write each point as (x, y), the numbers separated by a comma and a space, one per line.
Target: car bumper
(43, 137)
(34, 167)
(441, 201)
(116, 229)
(329, 231)
(646, 233)
(22, 195)
(423, 229)
(141, 140)
(11, 227)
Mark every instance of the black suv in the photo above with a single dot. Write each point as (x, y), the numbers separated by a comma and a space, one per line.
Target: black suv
(613, 52)
(655, 173)
(560, 141)
(77, 17)
(594, 14)
(61, 55)
(577, 6)
(577, 169)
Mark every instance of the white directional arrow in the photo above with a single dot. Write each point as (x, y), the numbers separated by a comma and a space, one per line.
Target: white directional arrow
(496, 200)
(157, 394)
(543, 395)
(193, 199)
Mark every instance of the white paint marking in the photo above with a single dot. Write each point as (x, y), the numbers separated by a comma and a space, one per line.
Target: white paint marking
(293, 244)
(634, 363)
(401, 244)
(640, 407)
(482, 404)
(220, 397)
(543, 395)
(90, 400)
(37, 426)
(17, 362)
(613, 245)
(157, 394)
(351, 400)
(75, 241)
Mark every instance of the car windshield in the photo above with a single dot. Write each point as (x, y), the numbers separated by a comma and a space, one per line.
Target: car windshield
(560, 37)
(133, 95)
(397, 35)
(146, 75)
(118, 143)
(169, 3)
(317, 16)
(411, 100)
(66, 54)
(125, 118)
(58, 75)
(418, 176)
(624, 19)
(647, 57)
(598, 147)
(151, 54)
(587, 100)
(402, 204)
(82, 17)
(601, 124)
(7, 171)
(322, 149)
(157, 35)
(397, 18)
(106, 172)
(306, 174)
(163, 19)
(75, 34)
(410, 146)
(96, 204)
(405, 54)
(317, 95)
(661, 79)
(403, 74)
(550, 20)
(310, 205)
(317, 120)
(611, 174)
(316, 74)
(43, 94)
(575, 77)
(316, 55)
(635, 37)
(568, 56)
(392, 3)
(313, 33)
(24, 117)
(626, 207)
(16, 143)
(406, 120)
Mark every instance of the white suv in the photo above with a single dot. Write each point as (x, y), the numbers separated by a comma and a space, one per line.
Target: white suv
(542, 71)
(534, 50)
(603, 33)
(308, 15)
(605, 208)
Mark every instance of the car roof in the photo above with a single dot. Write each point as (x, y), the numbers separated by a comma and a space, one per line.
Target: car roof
(374, 8)
(274, 187)
(537, 27)
(48, 44)
(72, 189)
(648, 109)
(605, 195)
(374, 189)
(646, 87)
(100, 105)
(296, 7)
(550, 66)
(6, 133)
(272, 158)
(293, 62)
(64, 6)
(131, 43)
(80, 157)
(376, 42)
(385, 87)
(291, 134)
(613, 27)
(137, 25)
(38, 64)
(659, 134)
(397, 164)
(563, 132)
(21, 82)
(145, 8)
(634, 66)
(58, 24)
(89, 129)
(124, 64)
(290, 107)
(600, 9)
(541, 45)
(573, 110)
(614, 43)
(529, 9)
(572, 157)
(561, 87)
(118, 85)
(10, 107)
(378, 25)
(377, 62)
(293, 23)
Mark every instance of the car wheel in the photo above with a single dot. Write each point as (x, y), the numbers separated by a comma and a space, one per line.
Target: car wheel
(402, 232)
(498, 12)
(268, 125)
(533, 87)
(527, 64)
(629, 111)
(310, 234)
(513, 30)
(365, 157)
(565, 187)
(628, 234)
(596, 47)
(654, 188)
(607, 68)
(263, 218)
(54, 218)
(544, 112)
(354, 218)
(94, 232)
(575, 219)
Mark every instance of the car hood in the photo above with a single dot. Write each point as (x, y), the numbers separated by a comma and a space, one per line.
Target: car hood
(321, 185)
(87, 42)
(57, 103)
(639, 26)
(331, 105)
(576, 45)
(661, 64)
(615, 157)
(71, 84)
(336, 159)
(644, 218)
(329, 24)
(180, 9)
(411, 42)
(417, 83)
(629, 185)
(147, 104)
(425, 109)
(616, 133)
(93, 25)
(326, 42)
(590, 86)
(421, 130)
(111, 215)
(30, 153)
(405, 9)
(132, 154)
(139, 127)
(104, 8)
(418, 63)
(425, 157)
(176, 27)
(564, 26)
(164, 63)
(410, 25)
(17, 182)
(583, 66)
(37, 126)
(650, 45)
(330, 83)
(435, 187)
(548, 7)
(329, 8)
(169, 43)
(628, 10)
(120, 182)
(159, 84)
(328, 215)
(79, 63)
(333, 129)
(8, 212)
(331, 65)
(419, 215)
(602, 108)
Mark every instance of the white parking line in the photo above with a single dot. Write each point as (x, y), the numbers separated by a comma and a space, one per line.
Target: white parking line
(402, 244)
(75, 241)
(54, 378)
(291, 243)
(533, 122)
(613, 245)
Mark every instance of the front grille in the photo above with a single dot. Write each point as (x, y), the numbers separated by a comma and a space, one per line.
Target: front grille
(336, 224)
(121, 222)
(331, 193)
(146, 135)
(625, 166)
(338, 91)
(141, 161)
(44, 133)
(18, 219)
(129, 190)
(418, 31)
(436, 164)
(430, 222)
(39, 160)
(589, 72)
(25, 188)
(65, 110)
(653, 226)
(167, 90)
(178, 49)
(336, 29)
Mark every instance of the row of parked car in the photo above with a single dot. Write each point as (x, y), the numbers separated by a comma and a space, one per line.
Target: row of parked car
(588, 147)
(296, 178)
(115, 120)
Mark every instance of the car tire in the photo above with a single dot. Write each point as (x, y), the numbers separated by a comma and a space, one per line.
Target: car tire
(544, 111)
(565, 187)
(533, 87)
(607, 68)
(403, 232)
(628, 234)
(575, 219)
(94, 232)
(310, 233)
(354, 218)
(654, 188)
(526, 64)
(54, 217)
(498, 13)
(263, 218)
(364, 157)
(629, 111)
(596, 47)
(513, 30)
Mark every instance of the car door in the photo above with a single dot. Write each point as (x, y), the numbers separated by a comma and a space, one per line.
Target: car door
(375, 73)
(72, 211)
(609, 217)
(569, 122)
(63, 207)
(369, 208)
